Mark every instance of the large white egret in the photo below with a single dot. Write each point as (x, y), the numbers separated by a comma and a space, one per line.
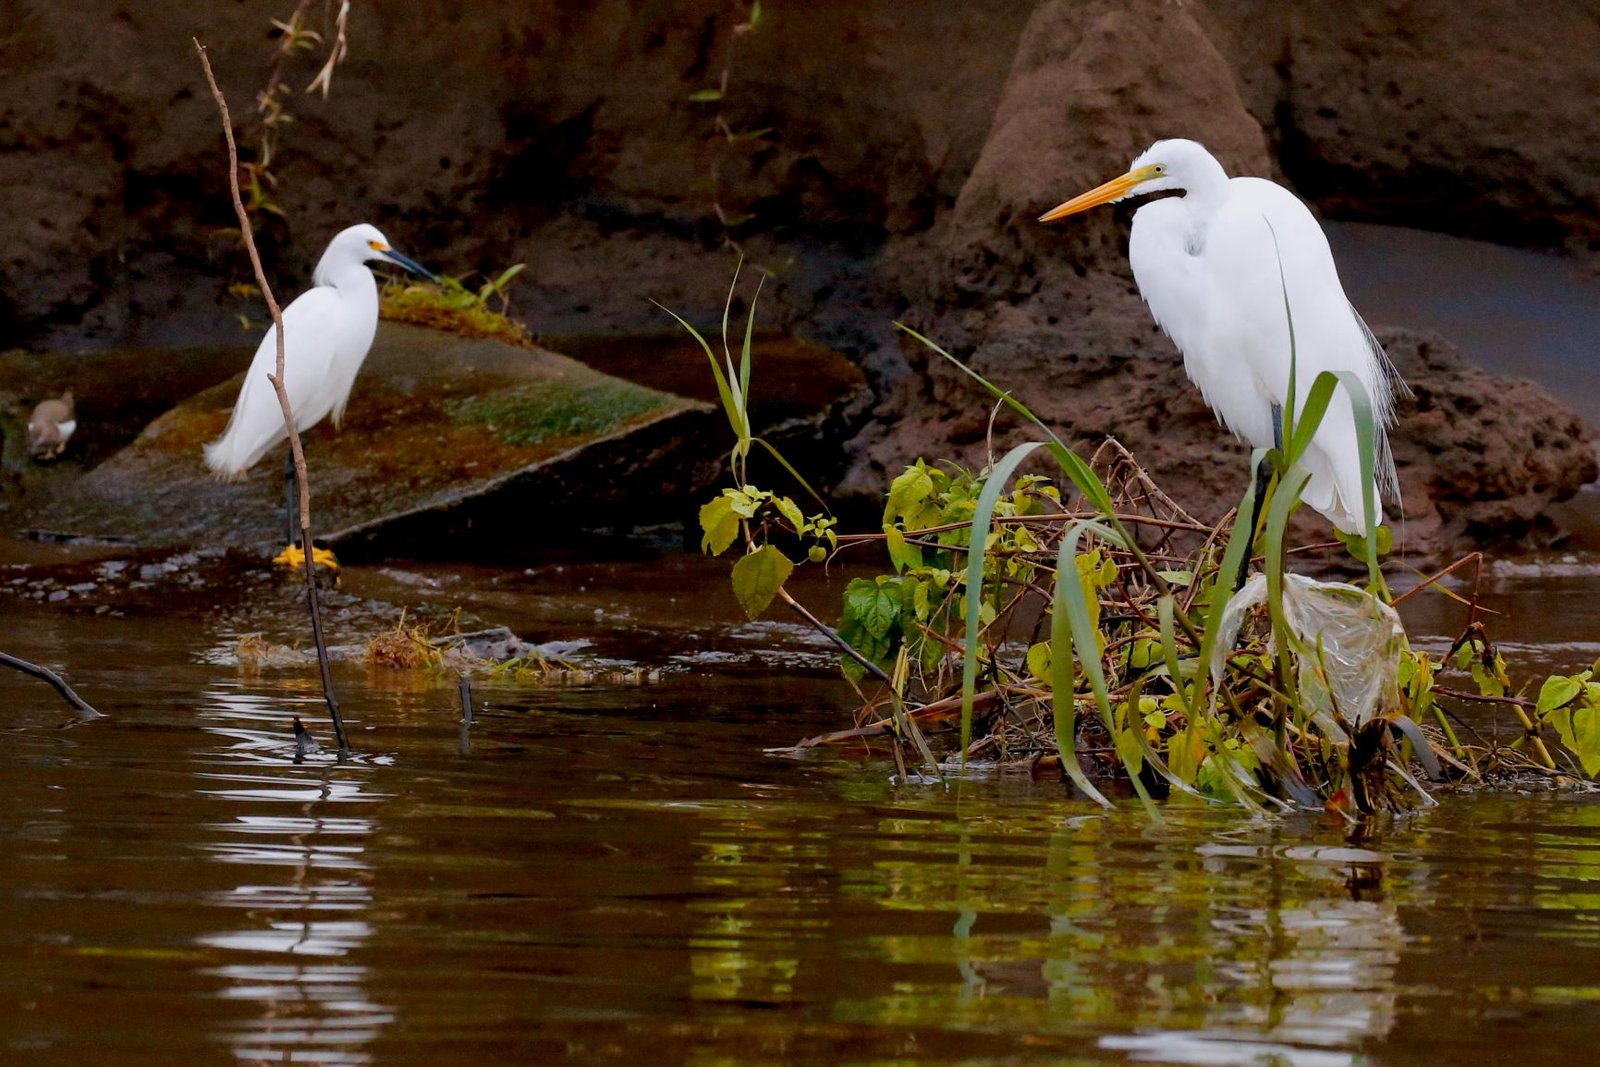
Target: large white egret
(327, 332)
(1207, 264)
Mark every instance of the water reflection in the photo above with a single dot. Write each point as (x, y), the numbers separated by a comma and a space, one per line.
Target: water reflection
(308, 1012)
(1231, 949)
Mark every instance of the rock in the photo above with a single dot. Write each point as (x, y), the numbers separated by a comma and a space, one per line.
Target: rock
(1480, 457)
(907, 150)
(441, 432)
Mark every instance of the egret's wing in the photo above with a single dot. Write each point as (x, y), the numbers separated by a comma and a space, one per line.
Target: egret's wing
(1190, 300)
(1270, 249)
(309, 333)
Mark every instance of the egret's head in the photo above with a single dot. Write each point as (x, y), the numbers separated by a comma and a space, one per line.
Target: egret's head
(364, 243)
(1165, 165)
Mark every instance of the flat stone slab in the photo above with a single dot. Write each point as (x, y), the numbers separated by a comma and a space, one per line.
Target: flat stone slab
(441, 431)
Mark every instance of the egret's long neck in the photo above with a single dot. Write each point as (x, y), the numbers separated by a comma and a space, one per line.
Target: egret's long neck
(354, 282)
(1205, 184)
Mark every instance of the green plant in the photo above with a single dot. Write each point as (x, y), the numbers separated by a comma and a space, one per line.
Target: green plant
(450, 304)
(725, 139)
(1092, 618)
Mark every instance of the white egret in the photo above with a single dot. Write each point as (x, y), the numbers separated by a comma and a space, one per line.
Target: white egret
(51, 426)
(327, 332)
(1207, 264)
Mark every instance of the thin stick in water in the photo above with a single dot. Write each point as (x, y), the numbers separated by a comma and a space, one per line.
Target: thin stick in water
(295, 448)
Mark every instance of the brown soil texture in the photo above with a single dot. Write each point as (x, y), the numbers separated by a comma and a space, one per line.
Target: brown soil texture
(907, 149)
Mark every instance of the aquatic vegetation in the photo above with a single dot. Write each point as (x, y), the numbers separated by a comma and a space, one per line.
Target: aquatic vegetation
(450, 304)
(441, 647)
(556, 408)
(1080, 622)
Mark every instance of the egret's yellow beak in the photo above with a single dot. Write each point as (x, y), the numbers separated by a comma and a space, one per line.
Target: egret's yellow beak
(1115, 189)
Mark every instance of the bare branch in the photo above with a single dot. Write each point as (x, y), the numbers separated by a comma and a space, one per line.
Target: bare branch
(295, 449)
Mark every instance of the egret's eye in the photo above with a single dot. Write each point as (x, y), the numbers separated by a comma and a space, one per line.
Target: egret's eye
(377, 246)
(1161, 168)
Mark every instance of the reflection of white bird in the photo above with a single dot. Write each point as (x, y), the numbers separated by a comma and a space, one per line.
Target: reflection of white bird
(1207, 265)
(51, 426)
(327, 331)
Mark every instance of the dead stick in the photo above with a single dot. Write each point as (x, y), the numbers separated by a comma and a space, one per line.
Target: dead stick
(45, 674)
(295, 448)
(833, 635)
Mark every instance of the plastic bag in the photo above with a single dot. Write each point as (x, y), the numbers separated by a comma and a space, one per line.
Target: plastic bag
(1350, 644)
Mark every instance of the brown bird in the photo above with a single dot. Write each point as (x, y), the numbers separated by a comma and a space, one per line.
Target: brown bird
(51, 426)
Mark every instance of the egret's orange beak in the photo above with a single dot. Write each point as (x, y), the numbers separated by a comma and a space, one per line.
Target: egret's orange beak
(1115, 189)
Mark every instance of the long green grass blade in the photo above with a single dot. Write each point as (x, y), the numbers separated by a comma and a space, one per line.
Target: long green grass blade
(1063, 686)
(730, 407)
(1367, 440)
(1166, 608)
(1239, 541)
(796, 475)
(1073, 466)
(734, 380)
(1069, 601)
(749, 332)
(1079, 472)
(1290, 415)
(993, 486)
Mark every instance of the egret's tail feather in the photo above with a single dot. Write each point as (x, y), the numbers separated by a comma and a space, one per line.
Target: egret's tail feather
(230, 456)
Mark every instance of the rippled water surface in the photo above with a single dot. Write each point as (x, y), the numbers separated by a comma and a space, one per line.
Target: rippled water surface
(617, 873)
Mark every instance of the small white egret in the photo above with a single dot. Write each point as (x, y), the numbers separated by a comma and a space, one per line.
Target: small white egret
(1207, 264)
(327, 332)
(51, 426)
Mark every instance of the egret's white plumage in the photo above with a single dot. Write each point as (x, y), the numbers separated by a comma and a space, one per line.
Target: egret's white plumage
(1207, 264)
(327, 332)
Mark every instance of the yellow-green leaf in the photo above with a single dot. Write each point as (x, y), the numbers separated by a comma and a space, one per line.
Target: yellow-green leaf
(1556, 691)
(758, 576)
(1039, 662)
(719, 526)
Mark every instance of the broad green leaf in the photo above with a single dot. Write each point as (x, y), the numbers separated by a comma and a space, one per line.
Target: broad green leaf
(719, 525)
(791, 513)
(910, 488)
(900, 553)
(758, 576)
(1039, 661)
(872, 605)
(745, 502)
(1556, 691)
(1586, 736)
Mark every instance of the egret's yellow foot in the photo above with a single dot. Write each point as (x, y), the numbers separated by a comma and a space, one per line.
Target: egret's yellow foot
(293, 557)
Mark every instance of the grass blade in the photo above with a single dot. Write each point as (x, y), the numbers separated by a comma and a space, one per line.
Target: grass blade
(730, 405)
(749, 332)
(999, 475)
(1084, 643)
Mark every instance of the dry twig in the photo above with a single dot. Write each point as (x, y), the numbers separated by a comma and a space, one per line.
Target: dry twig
(276, 379)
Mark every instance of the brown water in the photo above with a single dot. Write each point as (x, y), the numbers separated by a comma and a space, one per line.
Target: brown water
(617, 873)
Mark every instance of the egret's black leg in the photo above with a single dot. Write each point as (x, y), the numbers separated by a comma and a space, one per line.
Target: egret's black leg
(1263, 479)
(290, 495)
